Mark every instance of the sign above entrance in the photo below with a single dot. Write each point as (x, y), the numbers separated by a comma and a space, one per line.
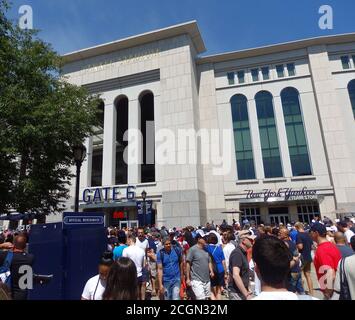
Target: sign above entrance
(283, 194)
(108, 193)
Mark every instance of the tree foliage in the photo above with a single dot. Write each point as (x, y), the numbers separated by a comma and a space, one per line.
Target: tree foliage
(41, 117)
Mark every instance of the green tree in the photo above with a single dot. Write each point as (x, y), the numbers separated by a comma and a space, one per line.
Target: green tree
(41, 117)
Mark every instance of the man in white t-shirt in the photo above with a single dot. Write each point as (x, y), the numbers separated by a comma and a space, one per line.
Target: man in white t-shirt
(137, 255)
(343, 226)
(272, 262)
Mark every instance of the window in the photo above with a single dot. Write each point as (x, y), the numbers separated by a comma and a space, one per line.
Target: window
(345, 61)
(241, 76)
(279, 215)
(121, 127)
(351, 89)
(296, 137)
(268, 135)
(266, 73)
(96, 172)
(306, 213)
(280, 70)
(242, 138)
(291, 69)
(255, 74)
(250, 214)
(230, 76)
(353, 60)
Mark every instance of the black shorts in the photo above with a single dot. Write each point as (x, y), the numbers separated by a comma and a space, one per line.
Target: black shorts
(218, 280)
(144, 276)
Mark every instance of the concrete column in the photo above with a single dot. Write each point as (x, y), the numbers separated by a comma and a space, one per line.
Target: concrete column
(264, 215)
(86, 168)
(255, 138)
(293, 212)
(109, 148)
(282, 136)
(135, 142)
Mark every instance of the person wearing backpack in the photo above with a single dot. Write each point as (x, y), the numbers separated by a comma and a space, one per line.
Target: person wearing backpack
(344, 285)
(218, 264)
(14, 259)
(170, 270)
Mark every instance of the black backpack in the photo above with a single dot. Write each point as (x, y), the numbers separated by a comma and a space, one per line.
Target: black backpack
(344, 286)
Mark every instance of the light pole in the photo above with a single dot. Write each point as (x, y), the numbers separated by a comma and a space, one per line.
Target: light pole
(79, 152)
(144, 195)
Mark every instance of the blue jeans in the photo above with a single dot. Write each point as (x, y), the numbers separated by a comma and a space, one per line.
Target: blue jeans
(296, 283)
(172, 290)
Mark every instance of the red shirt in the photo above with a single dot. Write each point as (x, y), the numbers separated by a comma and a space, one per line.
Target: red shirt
(327, 255)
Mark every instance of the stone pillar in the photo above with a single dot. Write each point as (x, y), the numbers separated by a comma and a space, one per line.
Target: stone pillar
(338, 142)
(109, 148)
(135, 142)
(86, 168)
(282, 136)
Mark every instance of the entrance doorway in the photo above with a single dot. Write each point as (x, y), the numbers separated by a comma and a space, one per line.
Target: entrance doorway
(279, 215)
(129, 224)
(277, 219)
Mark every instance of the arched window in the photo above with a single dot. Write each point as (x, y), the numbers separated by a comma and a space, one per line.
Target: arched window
(121, 105)
(296, 137)
(351, 89)
(242, 138)
(268, 135)
(97, 153)
(146, 101)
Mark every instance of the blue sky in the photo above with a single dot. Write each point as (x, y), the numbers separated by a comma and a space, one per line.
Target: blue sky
(226, 25)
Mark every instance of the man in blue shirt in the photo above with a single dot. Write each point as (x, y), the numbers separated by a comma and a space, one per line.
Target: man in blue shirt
(122, 240)
(170, 270)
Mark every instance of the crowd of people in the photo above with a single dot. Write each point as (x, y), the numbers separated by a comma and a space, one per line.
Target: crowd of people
(239, 262)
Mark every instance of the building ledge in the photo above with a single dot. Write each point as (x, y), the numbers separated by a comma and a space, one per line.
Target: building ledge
(303, 178)
(273, 180)
(251, 181)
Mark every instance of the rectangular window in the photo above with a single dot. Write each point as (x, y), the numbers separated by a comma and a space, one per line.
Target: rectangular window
(250, 214)
(291, 69)
(280, 71)
(296, 137)
(96, 171)
(266, 73)
(242, 138)
(230, 76)
(353, 61)
(345, 61)
(255, 74)
(241, 76)
(307, 213)
(268, 135)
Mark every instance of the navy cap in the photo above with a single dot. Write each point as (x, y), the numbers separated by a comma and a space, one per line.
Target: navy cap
(320, 228)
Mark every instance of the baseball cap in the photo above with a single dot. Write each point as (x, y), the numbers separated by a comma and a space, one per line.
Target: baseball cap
(199, 236)
(343, 224)
(246, 234)
(320, 228)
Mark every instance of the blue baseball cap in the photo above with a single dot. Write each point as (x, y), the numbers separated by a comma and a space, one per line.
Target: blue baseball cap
(320, 228)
